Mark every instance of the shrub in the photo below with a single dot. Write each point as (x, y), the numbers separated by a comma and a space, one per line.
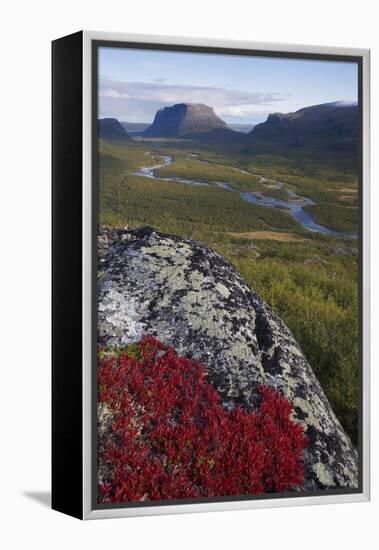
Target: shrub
(167, 435)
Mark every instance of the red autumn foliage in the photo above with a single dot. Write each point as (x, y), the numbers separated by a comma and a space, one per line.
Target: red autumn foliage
(168, 436)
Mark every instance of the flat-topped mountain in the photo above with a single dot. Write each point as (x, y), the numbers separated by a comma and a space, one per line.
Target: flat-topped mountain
(184, 119)
(110, 129)
(329, 125)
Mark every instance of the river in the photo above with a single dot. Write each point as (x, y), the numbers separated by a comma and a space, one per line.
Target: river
(294, 205)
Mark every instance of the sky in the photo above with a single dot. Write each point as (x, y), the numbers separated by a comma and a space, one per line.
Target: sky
(134, 84)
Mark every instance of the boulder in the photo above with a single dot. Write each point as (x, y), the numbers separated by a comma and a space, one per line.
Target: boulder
(191, 298)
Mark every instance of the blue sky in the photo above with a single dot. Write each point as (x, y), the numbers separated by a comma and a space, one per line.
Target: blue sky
(133, 83)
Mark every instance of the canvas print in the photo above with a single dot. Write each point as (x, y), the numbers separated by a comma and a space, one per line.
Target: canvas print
(228, 275)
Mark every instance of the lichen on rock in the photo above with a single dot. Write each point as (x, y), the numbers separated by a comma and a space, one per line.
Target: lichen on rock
(192, 299)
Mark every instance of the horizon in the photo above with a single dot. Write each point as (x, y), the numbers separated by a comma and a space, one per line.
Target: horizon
(133, 84)
(341, 102)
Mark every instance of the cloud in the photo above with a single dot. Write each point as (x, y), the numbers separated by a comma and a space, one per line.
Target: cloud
(110, 92)
(139, 101)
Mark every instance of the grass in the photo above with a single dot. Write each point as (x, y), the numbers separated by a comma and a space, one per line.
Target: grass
(304, 276)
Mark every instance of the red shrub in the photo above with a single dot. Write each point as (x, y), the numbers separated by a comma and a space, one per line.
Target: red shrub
(168, 436)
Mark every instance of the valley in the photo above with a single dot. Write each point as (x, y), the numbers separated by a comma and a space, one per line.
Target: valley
(274, 195)
(308, 276)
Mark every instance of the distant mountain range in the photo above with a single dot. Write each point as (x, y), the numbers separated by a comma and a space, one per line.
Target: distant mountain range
(110, 129)
(330, 126)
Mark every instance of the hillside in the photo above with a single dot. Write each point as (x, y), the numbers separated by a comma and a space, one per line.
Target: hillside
(331, 126)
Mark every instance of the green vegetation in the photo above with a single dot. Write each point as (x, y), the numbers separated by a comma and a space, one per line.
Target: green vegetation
(280, 194)
(184, 209)
(200, 170)
(311, 283)
(331, 186)
(336, 217)
(117, 159)
(313, 289)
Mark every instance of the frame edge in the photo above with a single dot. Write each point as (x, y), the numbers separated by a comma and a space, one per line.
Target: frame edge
(364, 495)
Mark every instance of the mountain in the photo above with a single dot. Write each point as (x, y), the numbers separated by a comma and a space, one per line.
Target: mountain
(329, 126)
(218, 136)
(110, 129)
(239, 127)
(218, 320)
(184, 119)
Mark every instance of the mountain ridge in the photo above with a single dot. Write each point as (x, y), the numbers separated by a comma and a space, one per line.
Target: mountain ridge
(327, 125)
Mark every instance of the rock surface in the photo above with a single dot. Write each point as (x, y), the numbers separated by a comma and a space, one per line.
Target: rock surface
(183, 119)
(191, 298)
